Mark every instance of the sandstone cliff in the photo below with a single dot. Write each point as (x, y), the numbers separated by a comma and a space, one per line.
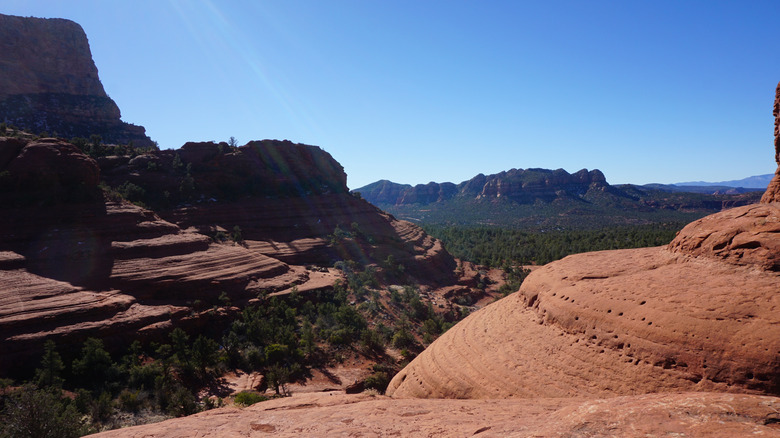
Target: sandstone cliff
(48, 82)
(520, 185)
(542, 199)
(74, 262)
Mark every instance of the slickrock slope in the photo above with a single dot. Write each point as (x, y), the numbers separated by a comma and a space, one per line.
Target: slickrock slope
(701, 314)
(318, 415)
(625, 322)
(745, 236)
(48, 82)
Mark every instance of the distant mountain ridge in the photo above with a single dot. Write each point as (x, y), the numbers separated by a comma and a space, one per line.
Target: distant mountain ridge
(751, 182)
(707, 190)
(544, 199)
(520, 185)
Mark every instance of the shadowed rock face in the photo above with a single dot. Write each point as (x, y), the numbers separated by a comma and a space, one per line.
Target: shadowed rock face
(48, 82)
(74, 264)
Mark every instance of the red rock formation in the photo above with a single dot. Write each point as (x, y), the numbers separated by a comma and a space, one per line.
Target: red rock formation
(742, 236)
(126, 269)
(702, 314)
(50, 83)
(776, 114)
(772, 193)
(686, 414)
(521, 185)
(619, 323)
(50, 164)
(73, 264)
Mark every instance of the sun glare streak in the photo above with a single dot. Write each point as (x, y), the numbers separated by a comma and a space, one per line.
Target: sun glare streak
(220, 35)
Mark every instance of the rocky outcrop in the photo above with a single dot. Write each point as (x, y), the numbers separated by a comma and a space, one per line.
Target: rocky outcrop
(81, 272)
(541, 199)
(427, 193)
(48, 165)
(772, 193)
(746, 236)
(383, 192)
(75, 263)
(520, 185)
(612, 323)
(701, 314)
(48, 82)
(207, 171)
(686, 414)
(527, 186)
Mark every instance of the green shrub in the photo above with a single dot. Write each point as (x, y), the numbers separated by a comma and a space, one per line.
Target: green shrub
(131, 192)
(403, 339)
(379, 381)
(130, 401)
(102, 408)
(248, 398)
(39, 413)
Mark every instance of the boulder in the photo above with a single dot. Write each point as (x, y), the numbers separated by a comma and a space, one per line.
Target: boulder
(51, 164)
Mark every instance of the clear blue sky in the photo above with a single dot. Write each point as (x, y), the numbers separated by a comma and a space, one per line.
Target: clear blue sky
(418, 91)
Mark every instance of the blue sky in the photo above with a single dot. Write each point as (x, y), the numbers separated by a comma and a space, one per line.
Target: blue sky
(419, 91)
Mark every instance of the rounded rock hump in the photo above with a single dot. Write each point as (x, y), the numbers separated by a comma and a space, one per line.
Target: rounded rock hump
(746, 236)
(701, 314)
(48, 164)
(612, 323)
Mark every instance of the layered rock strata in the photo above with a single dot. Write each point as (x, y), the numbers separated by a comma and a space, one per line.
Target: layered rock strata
(520, 185)
(48, 82)
(74, 263)
(702, 314)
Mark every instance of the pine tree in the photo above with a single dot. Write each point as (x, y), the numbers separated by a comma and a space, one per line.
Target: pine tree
(48, 375)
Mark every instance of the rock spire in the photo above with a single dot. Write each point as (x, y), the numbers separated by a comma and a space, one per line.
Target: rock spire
(772, 193)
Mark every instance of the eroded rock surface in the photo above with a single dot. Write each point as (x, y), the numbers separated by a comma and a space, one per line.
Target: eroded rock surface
(612, 323)
(747, 236)
(316, 415)
(772, 193)
(74, 263)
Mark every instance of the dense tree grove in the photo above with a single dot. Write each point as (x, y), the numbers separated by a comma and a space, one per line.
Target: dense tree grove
(492, 246)
(87, 389)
